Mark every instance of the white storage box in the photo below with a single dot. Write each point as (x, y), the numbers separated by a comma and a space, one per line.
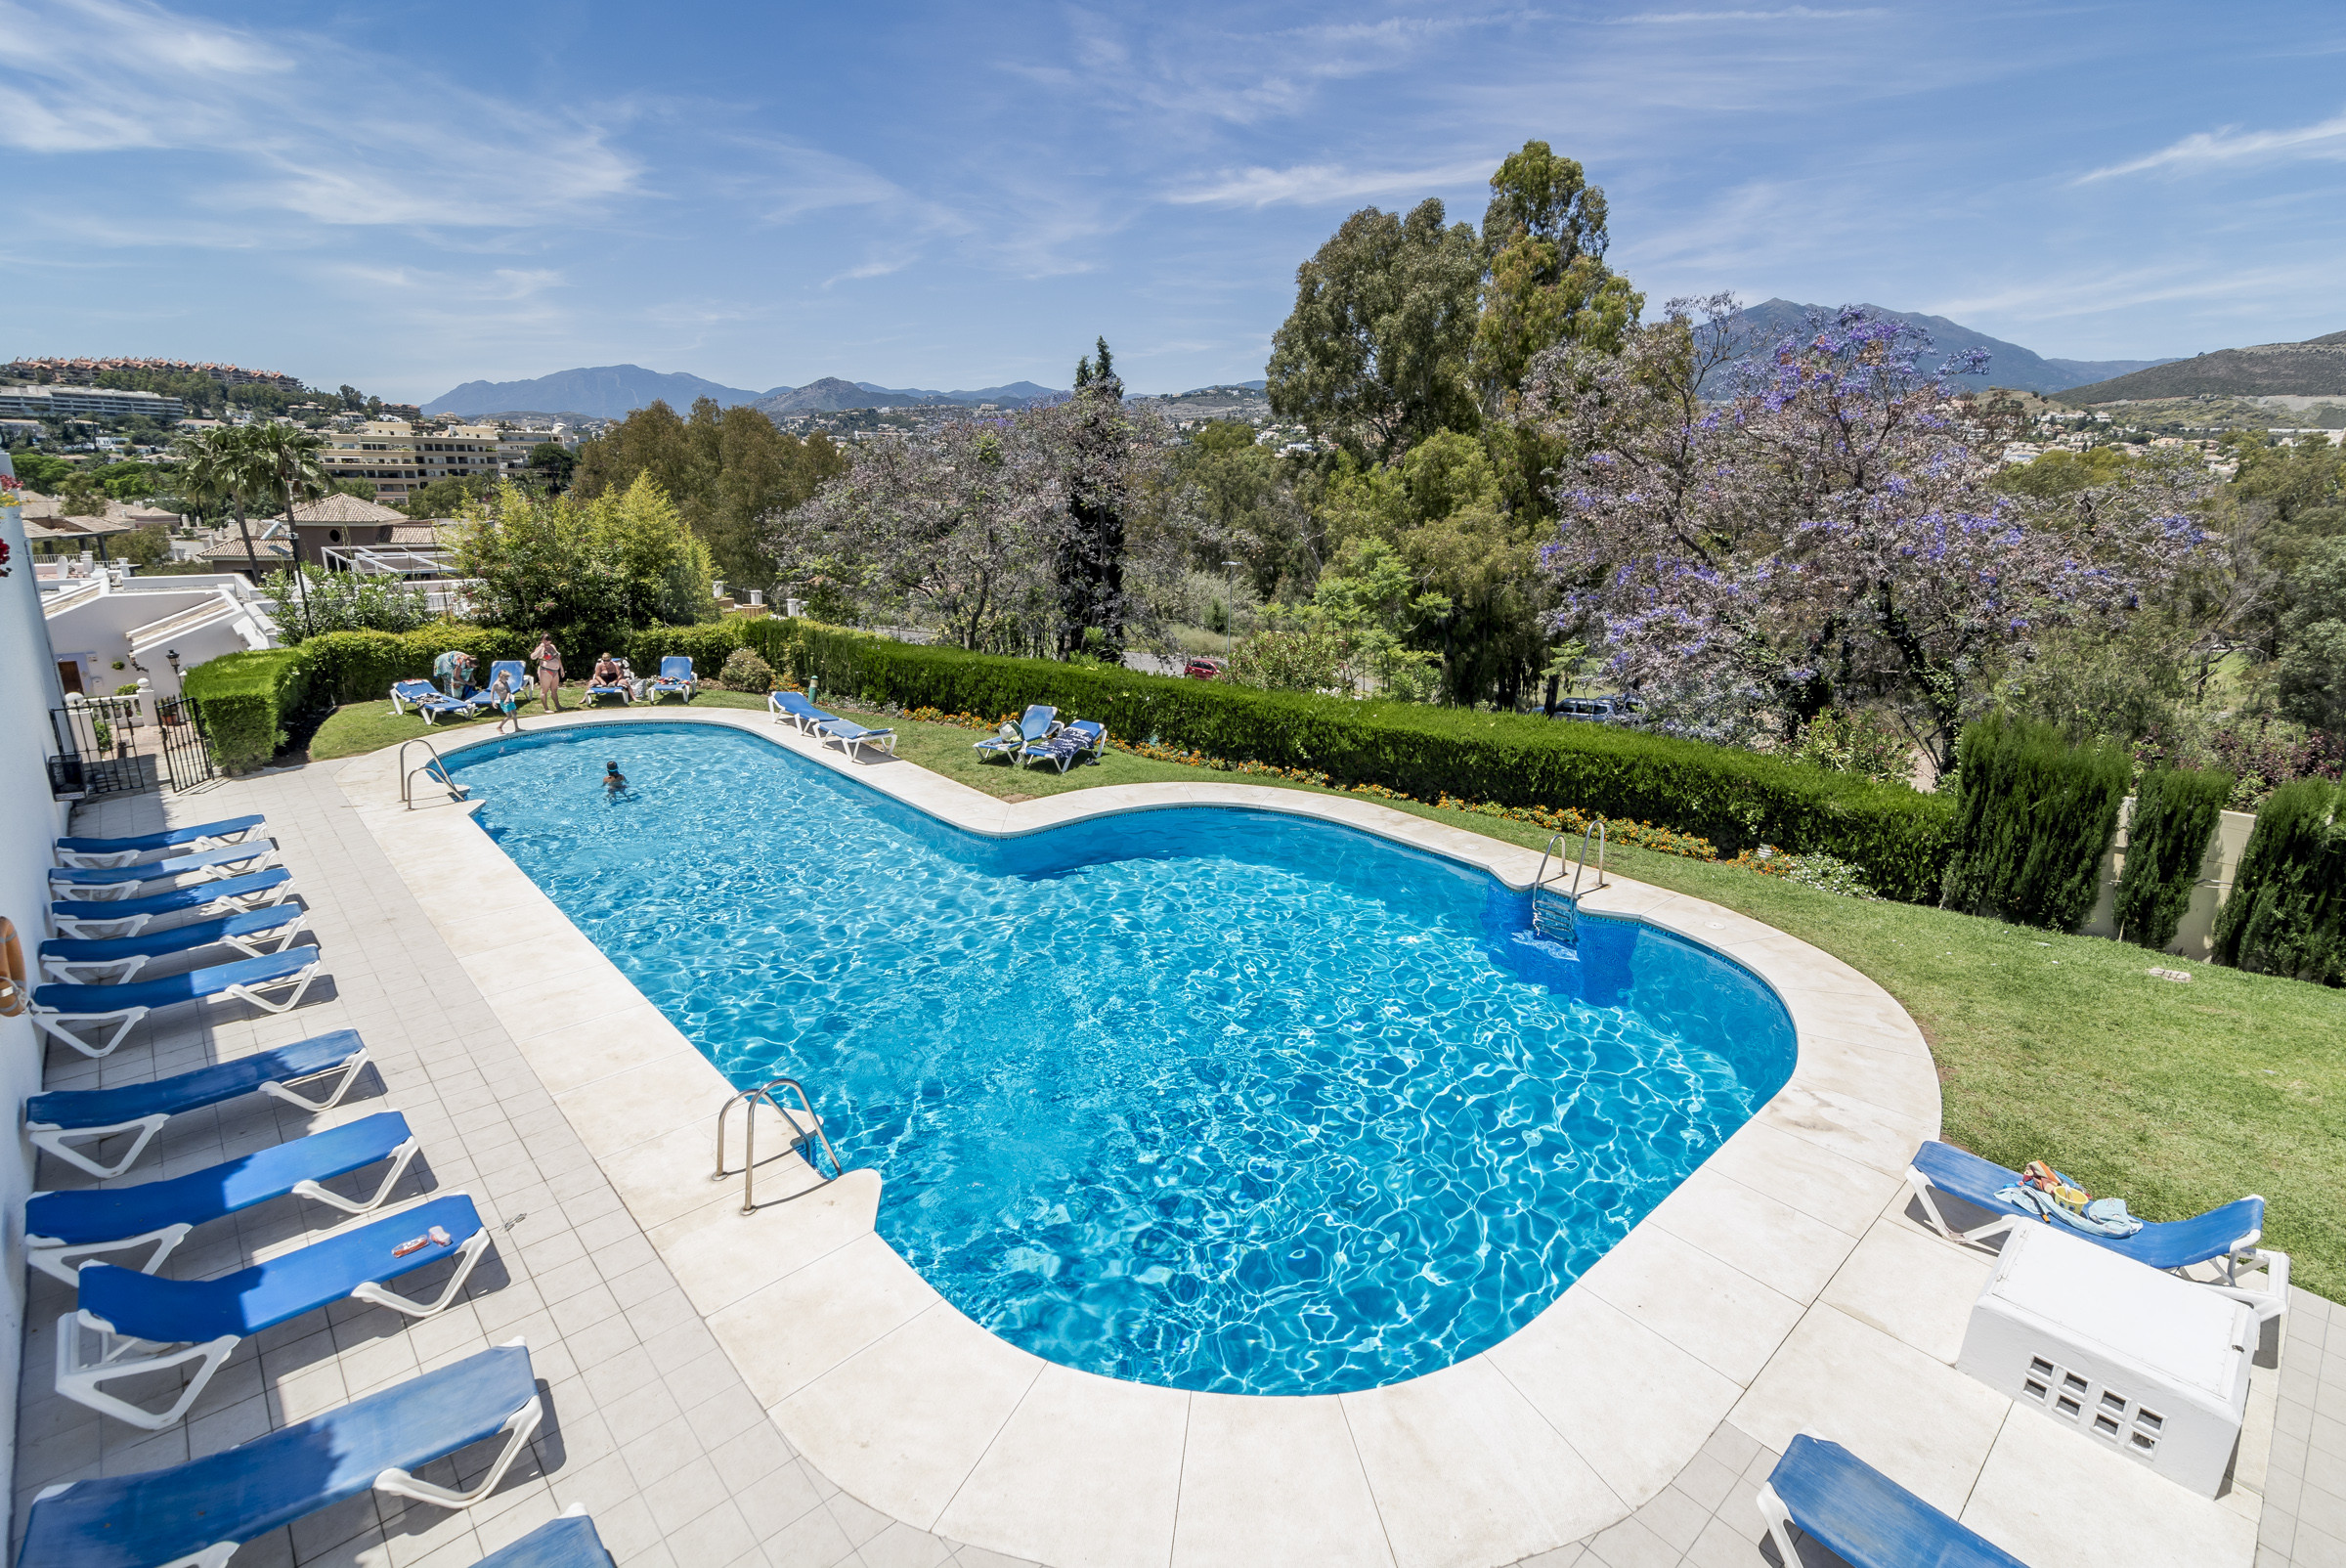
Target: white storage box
(2151, 1365)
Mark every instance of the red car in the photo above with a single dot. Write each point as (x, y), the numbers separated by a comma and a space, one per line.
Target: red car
(1203, 669)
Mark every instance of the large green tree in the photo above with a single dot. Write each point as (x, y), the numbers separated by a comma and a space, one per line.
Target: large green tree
(1374, 355)
(1545, 234)
(725, 468)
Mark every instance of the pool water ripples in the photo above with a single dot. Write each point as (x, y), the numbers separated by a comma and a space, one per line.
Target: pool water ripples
(1209, 1098)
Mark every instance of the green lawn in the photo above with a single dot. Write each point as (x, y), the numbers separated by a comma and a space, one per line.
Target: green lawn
(2177, 1097)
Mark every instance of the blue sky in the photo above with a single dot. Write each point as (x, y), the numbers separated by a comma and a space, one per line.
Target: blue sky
(407, 196)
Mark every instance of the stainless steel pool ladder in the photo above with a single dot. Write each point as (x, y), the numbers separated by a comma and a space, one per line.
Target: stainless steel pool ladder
(749, 1167)
(1555, 848)
(433, 769)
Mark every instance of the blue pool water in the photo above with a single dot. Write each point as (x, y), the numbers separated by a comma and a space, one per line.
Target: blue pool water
(1209, 1098)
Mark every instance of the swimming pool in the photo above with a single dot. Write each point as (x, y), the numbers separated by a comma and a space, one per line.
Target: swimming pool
(1201, 1097)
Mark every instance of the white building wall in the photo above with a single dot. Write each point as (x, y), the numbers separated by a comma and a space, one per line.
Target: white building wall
(28, 827)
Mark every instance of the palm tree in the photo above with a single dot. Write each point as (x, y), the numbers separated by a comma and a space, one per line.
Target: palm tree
(281, 462)
(213, 472)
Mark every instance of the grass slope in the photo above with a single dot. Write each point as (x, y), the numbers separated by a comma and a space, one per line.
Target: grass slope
(2178, 1097)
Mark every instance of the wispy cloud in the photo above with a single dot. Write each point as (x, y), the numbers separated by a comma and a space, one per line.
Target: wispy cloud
(291, 123)
(2323, 140)
(1313, 182)
(1677, 19)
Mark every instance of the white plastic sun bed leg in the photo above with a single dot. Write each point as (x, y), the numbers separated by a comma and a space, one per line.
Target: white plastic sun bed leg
(61, 1026)
(51, 1137)
(79, 1380)
(215, 1555)
(1772, 1510)
(349, 1070)
(96, 859)
(60, 1261)
(299, 980)
(1978, 1236)
(401, 1158)
(94, 927)
(382, 1295)
(100, 893)
(519, 1429)
(263, 944)
(94, 970)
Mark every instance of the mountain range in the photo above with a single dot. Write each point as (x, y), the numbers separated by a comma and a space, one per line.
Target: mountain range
(614, 391)
(2315, 368)
(2008, 364)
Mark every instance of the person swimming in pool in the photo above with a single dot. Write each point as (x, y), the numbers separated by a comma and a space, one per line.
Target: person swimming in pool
(615, 782)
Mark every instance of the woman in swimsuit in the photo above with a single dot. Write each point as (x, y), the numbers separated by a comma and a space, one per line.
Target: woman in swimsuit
(549, 674)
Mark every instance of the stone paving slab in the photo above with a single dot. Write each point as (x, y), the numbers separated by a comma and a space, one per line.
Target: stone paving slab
(658, 1426)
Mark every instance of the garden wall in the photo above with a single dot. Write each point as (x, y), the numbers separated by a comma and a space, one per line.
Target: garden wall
(2195, 937)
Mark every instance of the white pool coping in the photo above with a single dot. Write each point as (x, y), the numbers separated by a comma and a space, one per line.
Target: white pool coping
(1782, 1285)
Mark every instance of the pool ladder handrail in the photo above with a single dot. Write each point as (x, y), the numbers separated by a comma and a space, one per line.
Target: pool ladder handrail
(407, 775)
(749, 1139)
(1555, 850)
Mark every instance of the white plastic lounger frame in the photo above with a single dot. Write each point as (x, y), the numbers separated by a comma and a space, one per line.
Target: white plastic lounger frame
(121, 1356)
(255, 945)
(49, 1136)
(851, 735)
(263, 856)
(102, 928)
(60, 1261)
(60, 1026)
(107, 859)
(519, 1429)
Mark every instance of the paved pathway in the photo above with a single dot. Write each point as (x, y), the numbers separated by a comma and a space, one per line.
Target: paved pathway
(650, 1424)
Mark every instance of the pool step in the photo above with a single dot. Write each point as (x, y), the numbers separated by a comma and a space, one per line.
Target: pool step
(1555, 915)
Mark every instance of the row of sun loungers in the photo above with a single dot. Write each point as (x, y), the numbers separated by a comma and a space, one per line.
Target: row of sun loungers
(1042, 738)
(793, 707)
(107, 1242)
(676, 680)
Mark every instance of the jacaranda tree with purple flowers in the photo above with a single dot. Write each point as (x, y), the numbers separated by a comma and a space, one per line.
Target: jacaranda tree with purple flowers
(1824, 535)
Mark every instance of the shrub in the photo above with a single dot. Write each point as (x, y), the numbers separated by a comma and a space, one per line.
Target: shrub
(745, 671)
(2175, 812)
(2288, 910)
(2032, 816)
(708, 646)
(1735, 798)
(241, 701)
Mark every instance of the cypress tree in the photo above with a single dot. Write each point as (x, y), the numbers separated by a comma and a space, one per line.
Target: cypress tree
(2032, 816)
(2175, 812)
(1089, 563)
(2288, 910)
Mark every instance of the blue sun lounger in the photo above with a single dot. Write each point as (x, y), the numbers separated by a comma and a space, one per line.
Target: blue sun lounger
(127, 917)
(69, 1123)
(792, 707)
(676, 680)
(122, 851)
(122, 882)
(194, 1515)
(1853, 1509)
(251, 932)
(427, 698)
(58, 1011)
(851, 735)
(1036, 726)
(62, 1230)
(2231, 1232)
(567, 1541)
(484, 701)
(207, 1319)
(1069, 745)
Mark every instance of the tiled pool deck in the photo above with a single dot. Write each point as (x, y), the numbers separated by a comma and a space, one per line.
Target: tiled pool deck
(717, 1382)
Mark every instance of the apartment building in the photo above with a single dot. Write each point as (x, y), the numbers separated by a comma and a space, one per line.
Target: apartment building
(86, 402)
(398, 459)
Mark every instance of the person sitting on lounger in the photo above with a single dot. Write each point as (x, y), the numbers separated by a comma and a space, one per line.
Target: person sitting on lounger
(607, 672)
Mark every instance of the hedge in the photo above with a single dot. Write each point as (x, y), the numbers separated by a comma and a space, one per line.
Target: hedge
(1733, 798)
(2288, 910)
(361, 666)
(241, 701)
(2032, 816)
(2176, 811)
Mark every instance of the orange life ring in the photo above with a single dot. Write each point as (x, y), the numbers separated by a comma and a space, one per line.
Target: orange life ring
(13, 994)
